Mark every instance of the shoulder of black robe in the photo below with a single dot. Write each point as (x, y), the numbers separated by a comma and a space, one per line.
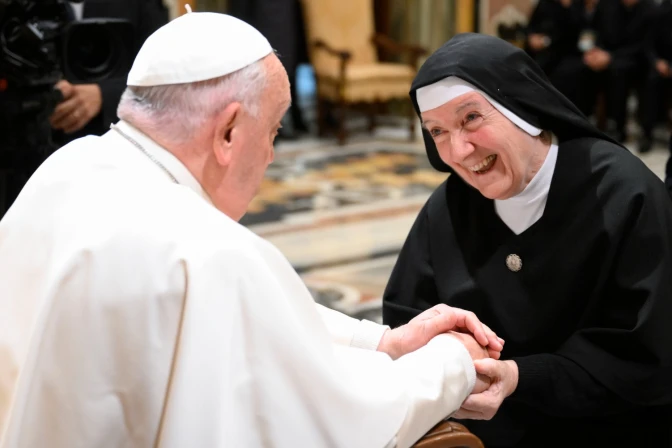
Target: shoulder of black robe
(511, 77)
(625, 339)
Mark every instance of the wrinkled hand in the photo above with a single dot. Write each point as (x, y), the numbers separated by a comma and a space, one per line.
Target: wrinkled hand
(484, 405)
(81, 102)
(437, 320)
(663, 67)
(476, 351)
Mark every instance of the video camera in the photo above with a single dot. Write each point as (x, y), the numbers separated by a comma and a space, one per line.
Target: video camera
(41, 43)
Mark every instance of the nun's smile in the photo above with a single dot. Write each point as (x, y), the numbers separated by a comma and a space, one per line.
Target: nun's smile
(485, 165)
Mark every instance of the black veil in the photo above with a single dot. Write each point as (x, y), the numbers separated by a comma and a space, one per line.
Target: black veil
(509, 76)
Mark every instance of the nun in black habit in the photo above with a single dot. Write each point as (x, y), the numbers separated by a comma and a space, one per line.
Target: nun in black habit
(558, 239)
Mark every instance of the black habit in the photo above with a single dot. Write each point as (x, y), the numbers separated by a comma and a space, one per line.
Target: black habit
(588, 317)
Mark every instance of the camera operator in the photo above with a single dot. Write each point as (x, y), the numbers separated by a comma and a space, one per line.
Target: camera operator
(91, 108)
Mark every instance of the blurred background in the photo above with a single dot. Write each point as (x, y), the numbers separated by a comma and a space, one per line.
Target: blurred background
(350, 172)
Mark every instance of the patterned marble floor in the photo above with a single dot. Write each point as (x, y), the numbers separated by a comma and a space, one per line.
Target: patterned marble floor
(341, 214)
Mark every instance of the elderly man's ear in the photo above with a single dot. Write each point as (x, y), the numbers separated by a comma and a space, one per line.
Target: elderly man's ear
(227, 131)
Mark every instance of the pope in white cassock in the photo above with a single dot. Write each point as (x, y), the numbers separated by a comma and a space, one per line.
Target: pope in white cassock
(135, 311)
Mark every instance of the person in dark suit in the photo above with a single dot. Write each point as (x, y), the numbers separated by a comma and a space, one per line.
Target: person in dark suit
(553, 42)
(617, 56)
(552, 33)
(658, 83)
(281, 22)
(91, 108)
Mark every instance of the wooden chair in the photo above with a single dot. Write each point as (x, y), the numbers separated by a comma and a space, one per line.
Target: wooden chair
(449, 435)
(342, 47)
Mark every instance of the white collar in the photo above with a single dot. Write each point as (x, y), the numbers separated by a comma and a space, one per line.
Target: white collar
(520, 212)
(165, 157)
(540, 183)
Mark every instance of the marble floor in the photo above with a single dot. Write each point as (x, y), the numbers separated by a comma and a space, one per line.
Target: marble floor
(341, 214)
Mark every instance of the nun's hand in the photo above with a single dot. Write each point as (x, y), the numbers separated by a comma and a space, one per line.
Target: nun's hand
(503, 381)
(438, 320)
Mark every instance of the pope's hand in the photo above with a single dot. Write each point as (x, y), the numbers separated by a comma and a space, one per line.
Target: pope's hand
(484, 405)
(437, 320)
(476, 351)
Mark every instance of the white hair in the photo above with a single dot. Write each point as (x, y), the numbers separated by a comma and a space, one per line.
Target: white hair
(174, 111)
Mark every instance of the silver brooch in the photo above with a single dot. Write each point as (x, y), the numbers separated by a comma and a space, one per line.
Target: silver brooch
(514, 263)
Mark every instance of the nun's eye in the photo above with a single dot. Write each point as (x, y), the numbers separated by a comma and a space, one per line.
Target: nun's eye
(470, 117)
(435, 132)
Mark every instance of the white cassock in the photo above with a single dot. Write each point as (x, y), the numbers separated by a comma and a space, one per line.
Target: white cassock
(135, 314)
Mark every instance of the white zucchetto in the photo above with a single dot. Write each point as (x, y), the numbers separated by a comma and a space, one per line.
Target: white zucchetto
(197, 47)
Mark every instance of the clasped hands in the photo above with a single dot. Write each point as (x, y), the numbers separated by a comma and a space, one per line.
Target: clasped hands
(496, 379)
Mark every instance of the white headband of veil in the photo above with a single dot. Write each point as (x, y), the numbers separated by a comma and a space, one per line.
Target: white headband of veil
(441, 92)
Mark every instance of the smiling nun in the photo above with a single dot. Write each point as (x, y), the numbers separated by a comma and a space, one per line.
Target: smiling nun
(558, 239)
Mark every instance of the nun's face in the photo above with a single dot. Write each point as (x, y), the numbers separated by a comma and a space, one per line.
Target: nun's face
(484, 147)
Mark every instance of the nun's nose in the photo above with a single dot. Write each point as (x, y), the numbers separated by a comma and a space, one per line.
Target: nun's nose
(460, 147)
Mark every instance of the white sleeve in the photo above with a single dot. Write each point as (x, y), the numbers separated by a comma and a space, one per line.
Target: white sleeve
(256, 366)
(434, 380)
(345, 330)
(436, 374)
